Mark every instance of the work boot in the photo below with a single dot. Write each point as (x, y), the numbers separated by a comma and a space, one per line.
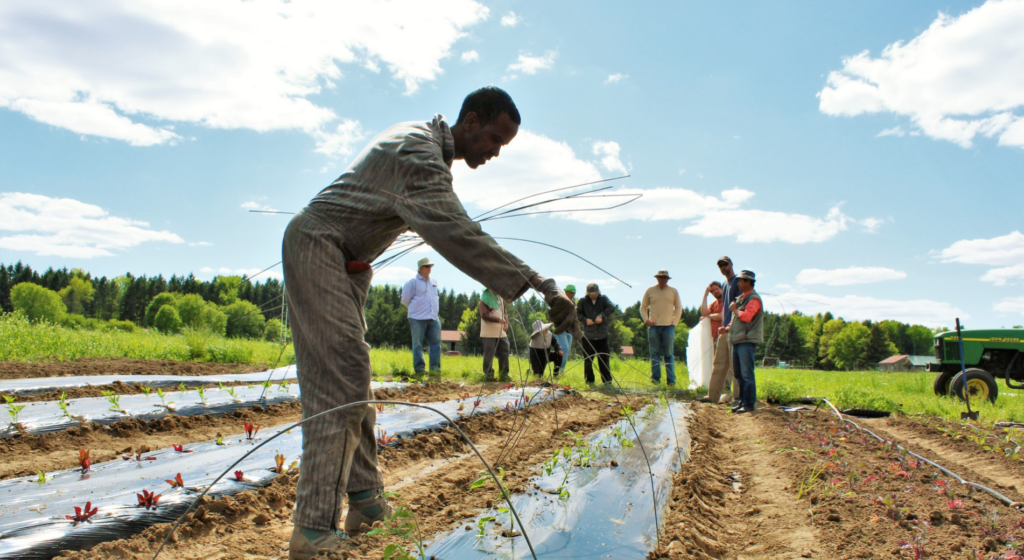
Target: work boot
(366, 508)
(306, 543)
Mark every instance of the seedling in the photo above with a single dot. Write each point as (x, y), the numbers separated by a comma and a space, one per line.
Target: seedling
(402, 523)
(239, 476)
(380, 408)
(202, 394)
(279, 459)
(114, 399)
(383, 438)
(83, 515)
(83, 460)
(268, 384)
(146, 390)
(63, 404)
(502, 492)
(177, 482)
(163, 399)
(250, 429)
(182, 388)
(231, 391)
(42, 478)
(283, 387)
(181, 449)
(138, 457)
(148, 499)
(219, 440)
(13, 409)
(462, 406)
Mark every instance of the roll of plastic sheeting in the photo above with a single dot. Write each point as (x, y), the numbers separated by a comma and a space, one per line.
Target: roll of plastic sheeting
(32, 385)
(700, 354)
(609, 512)
(47, 416)
(33, 523)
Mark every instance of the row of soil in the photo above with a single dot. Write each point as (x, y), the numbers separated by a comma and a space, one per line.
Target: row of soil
(432, 473)
(868, 499)
(26, 454)
(119, 366)
(992, 452)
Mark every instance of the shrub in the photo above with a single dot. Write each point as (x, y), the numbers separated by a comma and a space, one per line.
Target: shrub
(777, 393)
(214, 320)
(167, 320)
(162, 299)
(123, 326)
(272, 332)
(76, 321)
(190, 309)
(230, 352)
(37, 303)
(197, 342)
(244, 320)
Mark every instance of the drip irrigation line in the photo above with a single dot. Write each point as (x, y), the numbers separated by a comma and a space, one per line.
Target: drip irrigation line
(504, 492)
(1005, 501)
(549, 192)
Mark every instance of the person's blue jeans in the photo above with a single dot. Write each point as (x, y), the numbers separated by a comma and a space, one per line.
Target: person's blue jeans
(662, 343)
(564, 344)
(431, 330)
(743, 364)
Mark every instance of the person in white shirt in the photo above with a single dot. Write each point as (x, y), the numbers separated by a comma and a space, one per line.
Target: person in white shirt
(420, 296)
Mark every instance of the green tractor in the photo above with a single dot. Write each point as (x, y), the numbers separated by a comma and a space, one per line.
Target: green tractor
(989, 354)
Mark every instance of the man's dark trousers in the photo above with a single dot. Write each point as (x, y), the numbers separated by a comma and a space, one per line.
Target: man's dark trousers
(598, 348)
(743, 362)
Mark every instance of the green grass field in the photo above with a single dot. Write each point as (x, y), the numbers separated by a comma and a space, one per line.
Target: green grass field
(909, 393)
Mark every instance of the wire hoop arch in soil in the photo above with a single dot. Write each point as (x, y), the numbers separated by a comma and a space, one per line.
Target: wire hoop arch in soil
(504, 493)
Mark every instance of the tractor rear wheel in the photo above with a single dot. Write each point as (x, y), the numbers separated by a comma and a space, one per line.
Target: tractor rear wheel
(980, 383)
(941, 385)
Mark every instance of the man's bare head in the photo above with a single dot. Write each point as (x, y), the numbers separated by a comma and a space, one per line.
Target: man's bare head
(488, 121)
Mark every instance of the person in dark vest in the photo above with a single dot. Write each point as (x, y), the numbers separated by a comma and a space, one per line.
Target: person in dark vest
(745, 333)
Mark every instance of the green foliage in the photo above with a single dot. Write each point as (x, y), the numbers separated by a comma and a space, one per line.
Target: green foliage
(76, 321)
(244, 320)
(167, 320)
(226, 288)
(470, 326)
(680, 342)
(123, 326)
(165, 298)
(848, 348)
(404, 524)
(273, 331)
(213, 320)
(78, 293)
(190, 309)
(37, 303)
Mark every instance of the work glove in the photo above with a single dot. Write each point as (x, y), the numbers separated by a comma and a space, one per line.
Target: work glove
(561, 310)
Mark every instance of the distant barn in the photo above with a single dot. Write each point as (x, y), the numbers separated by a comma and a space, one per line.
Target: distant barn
(906, 362)
(451, 338)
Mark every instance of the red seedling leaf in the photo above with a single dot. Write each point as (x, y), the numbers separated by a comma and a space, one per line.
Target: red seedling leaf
(250, 429)
(148, 499)
(177, 482)
(462, 406)
(83, 459)
(83, 515)
(476, 403)
(239, 475)
(380, 408)
(279, 458)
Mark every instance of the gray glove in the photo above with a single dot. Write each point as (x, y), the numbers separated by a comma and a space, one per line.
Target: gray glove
(561, 310)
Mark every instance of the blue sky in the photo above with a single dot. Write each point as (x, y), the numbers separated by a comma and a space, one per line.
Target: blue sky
(864, 157)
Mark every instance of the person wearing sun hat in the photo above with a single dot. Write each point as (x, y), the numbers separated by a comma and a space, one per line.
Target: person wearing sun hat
(661, 310)
(544, 348)
(746, 332)
(420, 297)
(565, 339)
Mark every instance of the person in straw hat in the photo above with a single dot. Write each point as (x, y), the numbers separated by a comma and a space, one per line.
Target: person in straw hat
(420, 297)
(543, 348)
(661, 309)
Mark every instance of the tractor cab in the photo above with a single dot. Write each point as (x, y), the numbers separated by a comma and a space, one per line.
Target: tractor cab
(989, 355)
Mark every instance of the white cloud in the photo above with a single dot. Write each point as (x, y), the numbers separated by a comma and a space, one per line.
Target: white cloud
(201, 244)
(615, 78)
(510, 19)
(470, 56)
(848, 276)
(226, 65)
(531, 64)
(531, 163)
(610, 151)
(65, 227)
(763, 226)
(342, 141)
(958, 79)
(398, 275)
(253, 205)
(894, 131)
(1006, 253)
(859, 308)
(1010, 305)
(248, 272)
(871, 225)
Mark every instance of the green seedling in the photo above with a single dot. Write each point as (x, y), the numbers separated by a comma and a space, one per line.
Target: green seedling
(182, 388)
(114, 400)
(485, 477)
(146, 390)
(42, 478)
(809, 481)
(283, 387)
(268, 384)
(231, 391)
(13, 409)
(163, 399)
(202, 394)
(404, 524)
(63, 404)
